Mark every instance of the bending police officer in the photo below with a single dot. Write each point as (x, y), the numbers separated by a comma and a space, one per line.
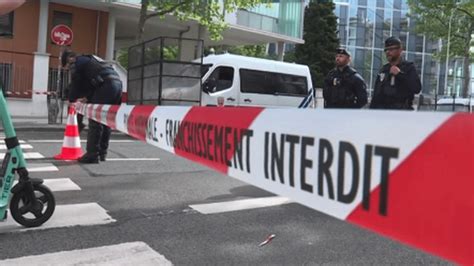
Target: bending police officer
(93, 81)
(343, 86)
(397, 82)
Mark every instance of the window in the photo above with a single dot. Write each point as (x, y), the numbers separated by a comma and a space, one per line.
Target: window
(5, 76)
(62, 18)
(220, 79)
(252, 81)
(6, 24)
(262, 82)
(290, 85)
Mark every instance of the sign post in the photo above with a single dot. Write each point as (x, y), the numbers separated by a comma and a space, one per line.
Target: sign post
(61, 35)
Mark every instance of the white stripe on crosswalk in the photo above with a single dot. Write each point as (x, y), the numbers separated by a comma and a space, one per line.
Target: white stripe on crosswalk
(41, 167)
(28, 155)
(84, 214)
(23, 146)
(132, 253)
(59, 184)
(238, 205)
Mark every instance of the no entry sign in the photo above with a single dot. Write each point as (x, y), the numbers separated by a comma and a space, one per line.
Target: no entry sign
(61, 35)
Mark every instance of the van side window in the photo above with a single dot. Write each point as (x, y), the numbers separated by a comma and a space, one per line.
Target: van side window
(252, 81)
(264, 82)
(220, 79)
(291, 85)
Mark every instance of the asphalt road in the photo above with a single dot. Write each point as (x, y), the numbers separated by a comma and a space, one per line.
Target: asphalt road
(150, 203)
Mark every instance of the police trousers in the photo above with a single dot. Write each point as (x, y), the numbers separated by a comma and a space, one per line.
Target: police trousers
(98, 135)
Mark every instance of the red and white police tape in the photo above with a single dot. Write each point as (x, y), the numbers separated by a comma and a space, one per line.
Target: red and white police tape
(406, 175)
(27, 93)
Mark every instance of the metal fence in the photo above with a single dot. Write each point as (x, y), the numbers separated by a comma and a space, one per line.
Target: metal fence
(160, 73)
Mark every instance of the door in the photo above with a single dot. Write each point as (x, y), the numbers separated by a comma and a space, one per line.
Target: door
(220, 88)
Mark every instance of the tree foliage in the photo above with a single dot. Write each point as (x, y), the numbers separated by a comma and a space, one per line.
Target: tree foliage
(433, 20)
(320, 36)
(209, 13)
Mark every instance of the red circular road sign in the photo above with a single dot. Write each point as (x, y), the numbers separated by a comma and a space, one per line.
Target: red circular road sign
(61, 35)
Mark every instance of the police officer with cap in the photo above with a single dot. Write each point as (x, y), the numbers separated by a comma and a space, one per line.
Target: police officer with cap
(397, 82)
(343, 86)
(93, 81)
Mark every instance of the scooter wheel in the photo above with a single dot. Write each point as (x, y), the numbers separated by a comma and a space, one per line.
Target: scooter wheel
(33, 214)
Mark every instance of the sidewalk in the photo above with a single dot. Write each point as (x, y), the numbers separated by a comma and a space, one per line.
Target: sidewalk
(40, 124)
(22, 123)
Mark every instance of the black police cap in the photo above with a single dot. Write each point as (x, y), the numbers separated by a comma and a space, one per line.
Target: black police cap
(342, 51)
(65, 55)
(392, 41)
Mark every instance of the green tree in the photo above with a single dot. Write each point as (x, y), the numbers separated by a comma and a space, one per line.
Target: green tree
(320, 27)
(448, 19)
(209, 13)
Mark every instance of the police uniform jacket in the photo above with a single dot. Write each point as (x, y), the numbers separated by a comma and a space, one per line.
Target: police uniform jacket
(344, 89)
(396, 91)
(94, 79)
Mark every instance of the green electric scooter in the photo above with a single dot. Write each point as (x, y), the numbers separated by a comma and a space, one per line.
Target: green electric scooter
(32, 203)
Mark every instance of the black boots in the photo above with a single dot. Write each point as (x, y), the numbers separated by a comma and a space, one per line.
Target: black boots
(89, 158)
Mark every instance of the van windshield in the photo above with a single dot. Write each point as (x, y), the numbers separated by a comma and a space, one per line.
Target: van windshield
(204, 69)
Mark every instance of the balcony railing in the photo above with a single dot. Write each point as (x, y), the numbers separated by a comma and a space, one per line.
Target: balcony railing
(257, 21)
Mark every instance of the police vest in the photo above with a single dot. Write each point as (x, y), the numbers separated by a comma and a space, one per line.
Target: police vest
(341, 92)
(387, 87)
(97, 71)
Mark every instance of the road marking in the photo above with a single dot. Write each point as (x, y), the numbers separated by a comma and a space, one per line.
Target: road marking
(59, 184)
(28, 155)
(84, 141)
(41, 167)
(132, 253)
(238, 205)
(133, 159)
(83, 214)
(23, 146)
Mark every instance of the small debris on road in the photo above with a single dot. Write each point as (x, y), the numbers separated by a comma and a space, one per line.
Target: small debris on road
(269, 238)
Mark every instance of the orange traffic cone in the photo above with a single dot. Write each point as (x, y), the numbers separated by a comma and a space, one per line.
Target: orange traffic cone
(71, 149)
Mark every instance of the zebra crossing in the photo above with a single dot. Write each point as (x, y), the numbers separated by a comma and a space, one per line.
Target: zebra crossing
(131, 253)
(65, 215)
(79, 214)
(91, 214)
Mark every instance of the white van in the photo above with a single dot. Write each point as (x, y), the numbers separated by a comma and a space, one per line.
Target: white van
(233, 80)
(455, 105)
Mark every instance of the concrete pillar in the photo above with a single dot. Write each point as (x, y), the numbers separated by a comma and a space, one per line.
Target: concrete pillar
(43, 26)
(281, 51)
(38, 106)
(109, 55)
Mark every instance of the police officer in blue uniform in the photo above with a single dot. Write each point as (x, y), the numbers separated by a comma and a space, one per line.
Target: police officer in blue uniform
(397, 82)
(343, 86)
(93, 81)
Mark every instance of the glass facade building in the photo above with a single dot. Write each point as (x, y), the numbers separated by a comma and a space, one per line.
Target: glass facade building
(281, 16)
(365, 24)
